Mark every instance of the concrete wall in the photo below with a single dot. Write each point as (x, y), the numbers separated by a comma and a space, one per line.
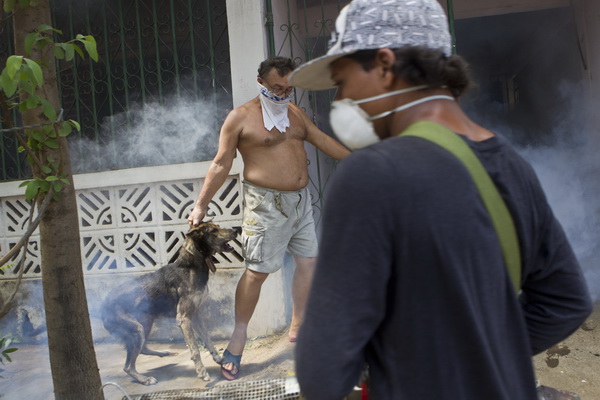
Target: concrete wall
(110, 245)
(248, 48)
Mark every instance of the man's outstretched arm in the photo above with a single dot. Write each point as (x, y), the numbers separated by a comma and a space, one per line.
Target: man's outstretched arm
(220, 166)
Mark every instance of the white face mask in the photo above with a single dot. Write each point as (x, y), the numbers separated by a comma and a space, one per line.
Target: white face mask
(354, 127)
(274, 109)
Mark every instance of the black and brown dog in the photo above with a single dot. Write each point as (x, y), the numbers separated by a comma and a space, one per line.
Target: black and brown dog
(175, 290)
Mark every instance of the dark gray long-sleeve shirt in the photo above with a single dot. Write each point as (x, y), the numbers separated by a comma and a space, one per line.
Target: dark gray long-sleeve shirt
(411, 281)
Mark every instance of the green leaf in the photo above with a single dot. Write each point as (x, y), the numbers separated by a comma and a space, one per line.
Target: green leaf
(21, 149)
(58, 52)
(58, 186)
(9, 5)
(13, 65)
(51, 178)
(32, 102)
(23, 107)
(38, 135)
(24, 3)
(75, 124)
(44, 42)
(52, 143)
(65, 129)
(32, 190)
(49, 110)
(65, 181)
(79, 51)
(30, 40)
(44, 186)
(36, 70)
(46, 169)
(21, 185)
(45, 27)
(9, 85)
(34, 145)
(26, 85)
(69, 50)
(90, 46)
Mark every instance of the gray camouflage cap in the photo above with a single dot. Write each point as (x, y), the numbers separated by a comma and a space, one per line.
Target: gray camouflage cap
(377, 24)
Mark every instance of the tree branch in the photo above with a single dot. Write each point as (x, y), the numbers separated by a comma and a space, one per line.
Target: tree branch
(5, 307)
(32, 227)
(8, 124)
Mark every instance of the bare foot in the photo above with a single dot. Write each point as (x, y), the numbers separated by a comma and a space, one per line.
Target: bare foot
(293, 334)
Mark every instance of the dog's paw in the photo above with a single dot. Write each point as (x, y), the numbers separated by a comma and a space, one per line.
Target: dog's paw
(217, 358)
(149, 381)
(202, 374)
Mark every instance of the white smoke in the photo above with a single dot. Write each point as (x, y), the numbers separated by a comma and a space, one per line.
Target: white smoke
(177, 131)
(568, 168)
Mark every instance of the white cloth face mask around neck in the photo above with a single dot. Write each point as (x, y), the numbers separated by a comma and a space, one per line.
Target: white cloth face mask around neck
(354, 127)
(274, 109)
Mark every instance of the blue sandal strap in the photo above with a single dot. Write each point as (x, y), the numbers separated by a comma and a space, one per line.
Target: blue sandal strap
(228, 357)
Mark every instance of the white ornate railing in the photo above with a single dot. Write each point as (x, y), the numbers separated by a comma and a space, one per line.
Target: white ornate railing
(130, 220)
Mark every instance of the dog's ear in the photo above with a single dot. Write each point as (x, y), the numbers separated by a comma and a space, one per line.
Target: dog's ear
(211, 264)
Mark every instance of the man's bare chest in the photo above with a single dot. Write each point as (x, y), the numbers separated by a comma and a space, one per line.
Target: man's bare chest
(255, 134)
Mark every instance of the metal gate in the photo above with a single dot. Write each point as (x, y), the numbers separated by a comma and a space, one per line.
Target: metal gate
(301, 29)
(163, 75)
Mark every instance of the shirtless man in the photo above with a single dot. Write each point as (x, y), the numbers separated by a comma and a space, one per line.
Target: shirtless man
(269, 132)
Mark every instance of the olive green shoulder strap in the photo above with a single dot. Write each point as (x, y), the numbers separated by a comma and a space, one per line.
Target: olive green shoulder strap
(499, 214)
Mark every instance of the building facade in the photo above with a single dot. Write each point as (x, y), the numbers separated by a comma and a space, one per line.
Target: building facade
(170, 71)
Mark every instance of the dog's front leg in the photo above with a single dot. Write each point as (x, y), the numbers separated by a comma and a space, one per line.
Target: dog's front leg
(206, 340)
(185, 323)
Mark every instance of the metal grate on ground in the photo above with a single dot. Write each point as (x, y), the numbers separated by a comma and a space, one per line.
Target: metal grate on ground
(267, 389)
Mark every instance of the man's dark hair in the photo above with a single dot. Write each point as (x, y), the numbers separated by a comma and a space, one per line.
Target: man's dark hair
(424, 66)
(283, 65)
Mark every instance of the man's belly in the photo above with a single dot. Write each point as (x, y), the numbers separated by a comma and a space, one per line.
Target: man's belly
(282, 182)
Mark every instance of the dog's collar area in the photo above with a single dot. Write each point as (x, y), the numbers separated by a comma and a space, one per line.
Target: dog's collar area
(194, 252)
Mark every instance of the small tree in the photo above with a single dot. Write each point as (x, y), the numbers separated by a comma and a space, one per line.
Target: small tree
(5, 350)
(28, 82)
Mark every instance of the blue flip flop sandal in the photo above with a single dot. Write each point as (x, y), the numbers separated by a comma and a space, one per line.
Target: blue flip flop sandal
(230, 358)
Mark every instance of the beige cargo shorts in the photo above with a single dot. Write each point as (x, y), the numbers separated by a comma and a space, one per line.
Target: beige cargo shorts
(275, 222)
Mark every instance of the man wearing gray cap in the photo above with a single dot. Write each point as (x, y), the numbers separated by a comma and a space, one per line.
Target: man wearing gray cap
(441, 281)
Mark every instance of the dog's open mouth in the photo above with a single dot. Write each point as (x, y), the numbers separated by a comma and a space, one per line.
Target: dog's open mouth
(227, 248)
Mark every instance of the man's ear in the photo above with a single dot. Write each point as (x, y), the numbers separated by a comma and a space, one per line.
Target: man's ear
(384, 61)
